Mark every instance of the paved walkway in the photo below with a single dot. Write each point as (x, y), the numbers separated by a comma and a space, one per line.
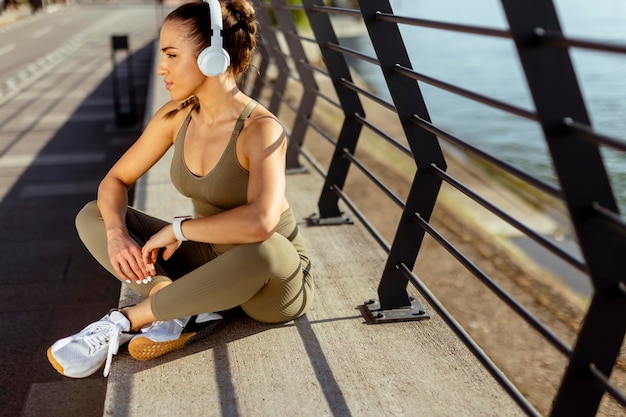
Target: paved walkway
(329, 362)
(58, 140)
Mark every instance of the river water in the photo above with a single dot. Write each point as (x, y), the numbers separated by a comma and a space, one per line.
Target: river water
(490, 67)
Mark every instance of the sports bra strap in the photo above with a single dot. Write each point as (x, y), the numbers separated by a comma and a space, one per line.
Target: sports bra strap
(243, 116)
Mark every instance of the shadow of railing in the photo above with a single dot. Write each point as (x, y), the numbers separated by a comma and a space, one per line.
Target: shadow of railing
(59, 139)
(292, 39)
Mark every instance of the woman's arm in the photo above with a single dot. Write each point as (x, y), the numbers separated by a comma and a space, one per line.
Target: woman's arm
(124, 253)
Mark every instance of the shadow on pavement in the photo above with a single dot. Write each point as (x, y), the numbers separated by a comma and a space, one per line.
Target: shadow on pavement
(51, 286)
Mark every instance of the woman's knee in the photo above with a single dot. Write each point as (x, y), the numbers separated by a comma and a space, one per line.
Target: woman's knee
(276, 256)
(286, 294)
(280, 301)
(87, 215)
(88, 220)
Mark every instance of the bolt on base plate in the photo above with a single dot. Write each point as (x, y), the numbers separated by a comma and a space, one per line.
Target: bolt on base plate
(316, 220)
(374, 314)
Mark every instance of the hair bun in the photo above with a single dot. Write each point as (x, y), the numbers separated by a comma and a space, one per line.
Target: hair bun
(241, 10)
(240, 28)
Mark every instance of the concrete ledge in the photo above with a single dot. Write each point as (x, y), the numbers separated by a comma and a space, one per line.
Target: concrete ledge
(329, 362)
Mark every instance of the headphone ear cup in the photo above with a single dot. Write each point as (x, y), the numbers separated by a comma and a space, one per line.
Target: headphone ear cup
(213, 61)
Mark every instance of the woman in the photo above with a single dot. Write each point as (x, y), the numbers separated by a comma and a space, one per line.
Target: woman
(242, 248)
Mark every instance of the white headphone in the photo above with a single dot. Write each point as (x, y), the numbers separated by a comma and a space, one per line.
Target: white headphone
(214, 60)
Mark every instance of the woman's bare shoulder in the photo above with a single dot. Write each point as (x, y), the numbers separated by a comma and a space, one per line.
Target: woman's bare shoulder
(262, 118)
(263, 133)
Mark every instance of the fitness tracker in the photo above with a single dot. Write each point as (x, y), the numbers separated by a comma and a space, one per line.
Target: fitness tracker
(178, 232)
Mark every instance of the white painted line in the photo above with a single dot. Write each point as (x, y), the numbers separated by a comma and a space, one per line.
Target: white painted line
(94, 116)
(16, 161)
(59, 189)
(41, 32)
(7, 48)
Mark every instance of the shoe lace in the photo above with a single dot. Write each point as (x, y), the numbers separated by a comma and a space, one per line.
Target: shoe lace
(98, 335)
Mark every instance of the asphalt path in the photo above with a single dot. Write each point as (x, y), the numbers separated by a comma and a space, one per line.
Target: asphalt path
(26, 43)
(58, 137)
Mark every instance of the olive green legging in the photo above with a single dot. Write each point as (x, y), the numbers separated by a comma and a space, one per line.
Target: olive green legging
(270, 280)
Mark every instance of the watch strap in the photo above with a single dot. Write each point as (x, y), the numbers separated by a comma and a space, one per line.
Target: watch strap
(178, 231)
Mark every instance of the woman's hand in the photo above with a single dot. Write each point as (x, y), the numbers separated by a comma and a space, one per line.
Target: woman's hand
(164, 238)
(126, 257)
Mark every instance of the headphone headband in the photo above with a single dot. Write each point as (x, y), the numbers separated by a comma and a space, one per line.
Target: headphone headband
(215, 14)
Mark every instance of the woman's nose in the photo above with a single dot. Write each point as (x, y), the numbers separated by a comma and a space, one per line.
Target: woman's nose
(161, 69)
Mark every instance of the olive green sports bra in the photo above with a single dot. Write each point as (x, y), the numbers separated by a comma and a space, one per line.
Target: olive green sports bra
(225, 186)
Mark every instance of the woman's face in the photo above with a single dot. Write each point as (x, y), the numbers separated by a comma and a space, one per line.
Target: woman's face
(178, 64)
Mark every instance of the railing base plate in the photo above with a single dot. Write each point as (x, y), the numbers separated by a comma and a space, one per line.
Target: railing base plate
(374, 314)
(297, 170)
(316, 220)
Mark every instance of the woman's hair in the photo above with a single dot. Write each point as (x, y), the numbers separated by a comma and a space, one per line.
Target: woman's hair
(239, 32)
(239, 29)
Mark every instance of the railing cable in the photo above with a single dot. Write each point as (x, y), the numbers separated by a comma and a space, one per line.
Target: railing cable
(495, 288)
(454, 27)
(350, 85)
(613, 220)
(407, 72)
(537, 183)
(362, 219)
(611, 388)
(569, 258)
(351, 52)
(337, 11)
(476, 350)
(403, 148)
(397, 200)
(585, 132)
(553, 38)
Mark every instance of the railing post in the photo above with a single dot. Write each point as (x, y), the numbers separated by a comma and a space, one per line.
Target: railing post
(261, 77)
(580, 170)
(272, 48)
(307, 101)
(350, 103)
(424, 145)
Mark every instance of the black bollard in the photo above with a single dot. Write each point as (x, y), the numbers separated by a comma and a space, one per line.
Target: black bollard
(123, 87)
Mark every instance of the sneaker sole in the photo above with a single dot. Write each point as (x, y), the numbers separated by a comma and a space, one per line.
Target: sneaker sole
(144, 349)
(56, 365)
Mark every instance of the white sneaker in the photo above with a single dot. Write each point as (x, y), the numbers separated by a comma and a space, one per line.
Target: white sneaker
(162, 337)
(82, 354)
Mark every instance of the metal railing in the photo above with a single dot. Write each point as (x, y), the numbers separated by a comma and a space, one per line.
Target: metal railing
(560, 112)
